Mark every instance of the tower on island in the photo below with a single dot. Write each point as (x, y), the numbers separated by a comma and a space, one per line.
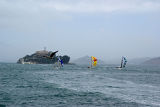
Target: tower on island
(44, 51)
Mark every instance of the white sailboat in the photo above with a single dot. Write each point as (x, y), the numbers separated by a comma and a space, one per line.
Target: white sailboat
(123, 63)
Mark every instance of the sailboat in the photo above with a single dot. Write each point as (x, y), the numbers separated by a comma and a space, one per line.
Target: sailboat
(93, 62)
(123, 63)
(59, 63)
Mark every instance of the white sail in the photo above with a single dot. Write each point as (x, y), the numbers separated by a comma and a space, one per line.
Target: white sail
(123, 62)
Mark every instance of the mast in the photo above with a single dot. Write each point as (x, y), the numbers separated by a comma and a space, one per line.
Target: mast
(121, 62)
(91, 61)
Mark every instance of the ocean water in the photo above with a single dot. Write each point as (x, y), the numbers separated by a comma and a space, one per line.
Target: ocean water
(78, 86)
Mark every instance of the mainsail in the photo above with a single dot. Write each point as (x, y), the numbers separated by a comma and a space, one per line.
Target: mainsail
(59, 63)
(123, 62)
(93, 61)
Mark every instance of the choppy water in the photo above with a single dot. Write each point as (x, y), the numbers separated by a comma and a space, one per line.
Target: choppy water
(78, 86)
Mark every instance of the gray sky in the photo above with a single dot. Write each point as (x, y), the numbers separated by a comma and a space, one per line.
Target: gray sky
(106, 29)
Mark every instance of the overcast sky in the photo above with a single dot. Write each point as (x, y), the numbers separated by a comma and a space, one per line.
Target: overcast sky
(103, 28)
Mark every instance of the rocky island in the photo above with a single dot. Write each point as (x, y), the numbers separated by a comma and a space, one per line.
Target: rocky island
(38, 58)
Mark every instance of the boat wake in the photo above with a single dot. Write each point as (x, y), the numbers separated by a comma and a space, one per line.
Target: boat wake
(111, 87)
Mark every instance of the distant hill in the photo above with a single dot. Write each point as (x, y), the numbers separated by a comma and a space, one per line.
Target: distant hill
(133, 61)
(86, 61)
(138, 61)
(153, 61)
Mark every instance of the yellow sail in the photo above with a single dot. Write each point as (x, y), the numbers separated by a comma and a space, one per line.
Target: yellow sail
(94, 61)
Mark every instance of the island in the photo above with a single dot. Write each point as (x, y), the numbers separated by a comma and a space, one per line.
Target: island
(38, 58)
